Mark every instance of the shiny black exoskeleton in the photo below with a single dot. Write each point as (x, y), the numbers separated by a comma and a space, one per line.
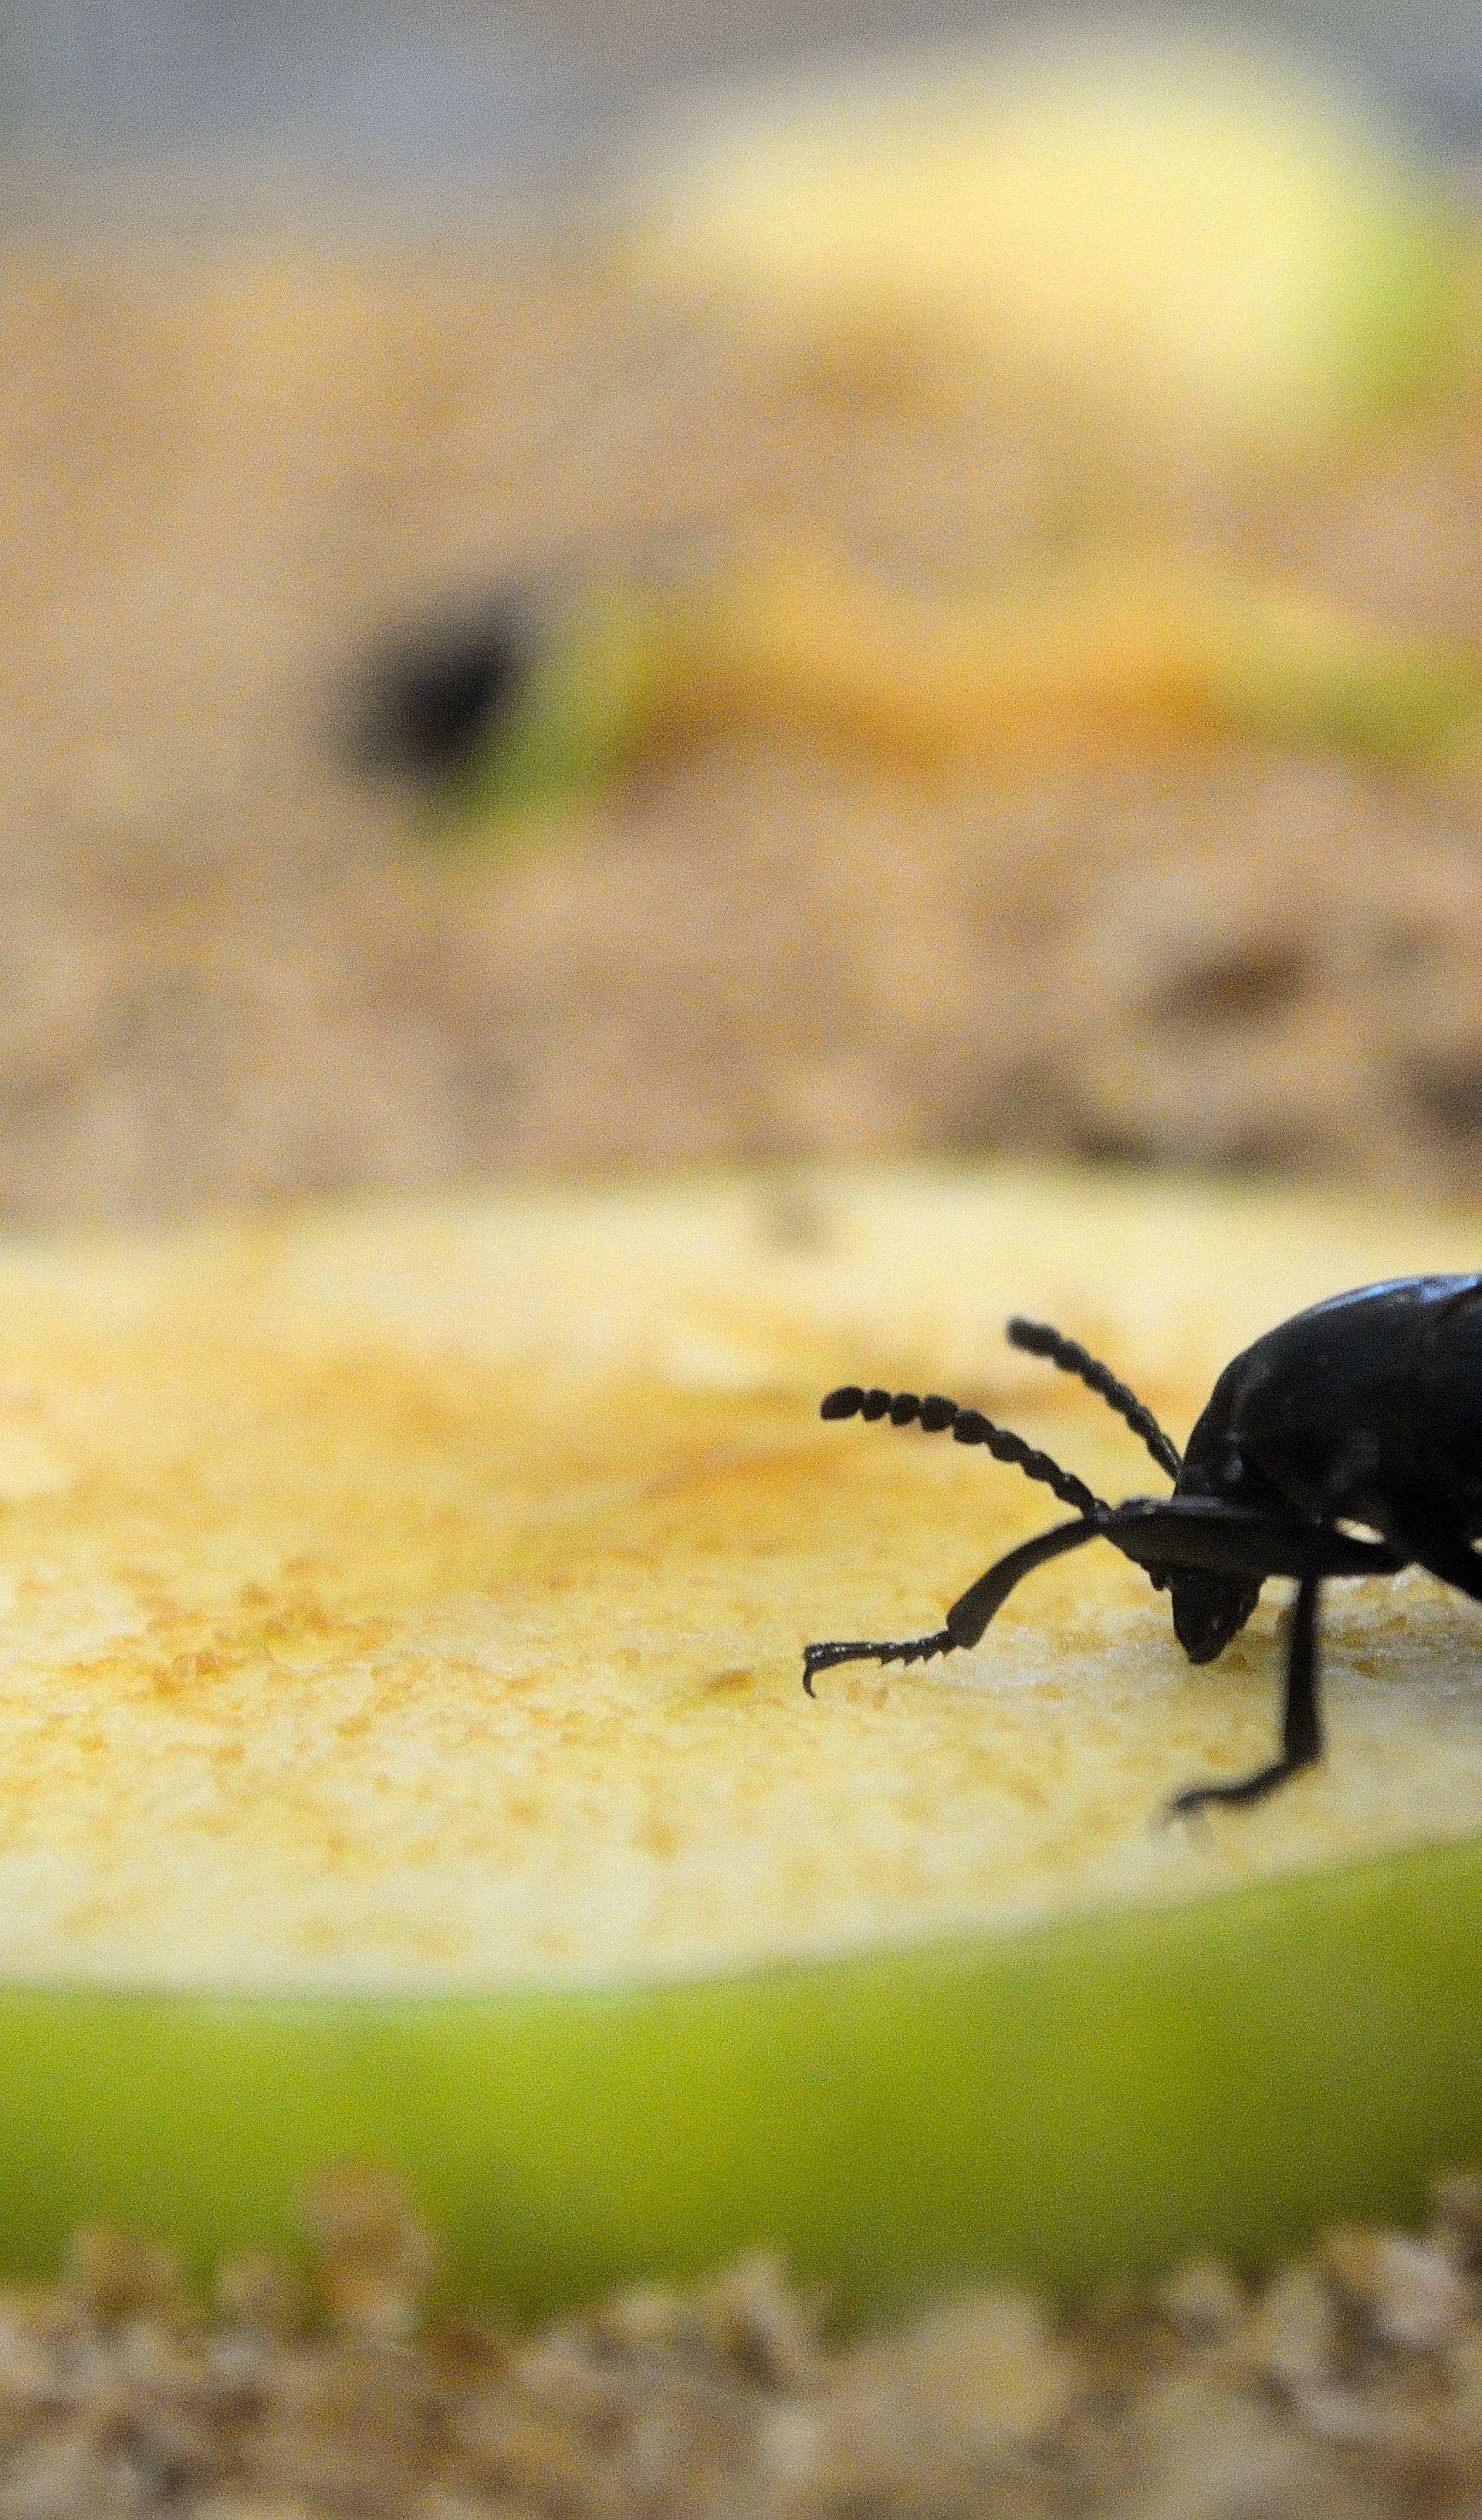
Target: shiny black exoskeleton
(1365, 1411)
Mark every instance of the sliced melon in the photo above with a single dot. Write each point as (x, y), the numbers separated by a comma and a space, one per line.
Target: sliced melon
(1116, 650)
(1184, 234)
(403, 1752)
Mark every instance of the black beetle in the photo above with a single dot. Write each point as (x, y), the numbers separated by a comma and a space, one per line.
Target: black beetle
(1366, 1410)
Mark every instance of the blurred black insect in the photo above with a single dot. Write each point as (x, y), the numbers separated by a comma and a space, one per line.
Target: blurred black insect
(1365, 1411)
(439, 690)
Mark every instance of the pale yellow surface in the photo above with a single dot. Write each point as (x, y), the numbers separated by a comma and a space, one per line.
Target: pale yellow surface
(417, 1595)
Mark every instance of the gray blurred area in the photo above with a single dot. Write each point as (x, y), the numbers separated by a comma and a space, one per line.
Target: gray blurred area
(456, 104)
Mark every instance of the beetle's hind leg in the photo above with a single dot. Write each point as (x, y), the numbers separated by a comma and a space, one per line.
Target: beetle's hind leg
(1301, 1718)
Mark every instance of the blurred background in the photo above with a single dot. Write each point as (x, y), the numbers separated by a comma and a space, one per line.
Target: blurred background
(586, 591)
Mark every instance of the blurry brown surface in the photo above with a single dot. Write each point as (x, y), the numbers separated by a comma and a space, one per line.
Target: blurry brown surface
(1347, 2381)
(233, 966)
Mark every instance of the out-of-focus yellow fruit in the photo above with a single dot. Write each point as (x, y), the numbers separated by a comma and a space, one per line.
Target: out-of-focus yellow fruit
(1114, 651)
(1186, 237)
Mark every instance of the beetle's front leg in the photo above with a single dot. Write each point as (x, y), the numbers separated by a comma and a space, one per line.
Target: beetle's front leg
(969, 1617)
(1159, 1534)
(1301, 1718)
(1166, 1534)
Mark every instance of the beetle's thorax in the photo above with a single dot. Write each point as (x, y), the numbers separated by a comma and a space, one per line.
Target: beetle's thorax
(1357, 1406)
(1374, 1394)
(1366, 1406)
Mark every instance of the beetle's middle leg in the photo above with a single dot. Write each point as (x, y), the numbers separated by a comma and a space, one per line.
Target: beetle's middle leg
(1441, 1547)
(1301, 1717)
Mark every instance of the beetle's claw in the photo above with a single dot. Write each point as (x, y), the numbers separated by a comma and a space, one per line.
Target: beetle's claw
(1236, 1790)
(823, 1657)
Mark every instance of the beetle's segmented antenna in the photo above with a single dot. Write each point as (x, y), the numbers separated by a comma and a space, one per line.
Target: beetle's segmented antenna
(969, 1427)
(1037, 1338)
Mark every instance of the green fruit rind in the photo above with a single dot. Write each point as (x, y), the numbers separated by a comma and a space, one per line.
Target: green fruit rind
(1079, 2101)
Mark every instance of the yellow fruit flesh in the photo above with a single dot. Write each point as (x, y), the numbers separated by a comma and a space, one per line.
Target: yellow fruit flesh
(392, 1601)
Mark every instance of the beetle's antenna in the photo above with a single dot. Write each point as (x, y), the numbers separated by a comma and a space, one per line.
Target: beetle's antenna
(969, 1427)
(1037, 1338)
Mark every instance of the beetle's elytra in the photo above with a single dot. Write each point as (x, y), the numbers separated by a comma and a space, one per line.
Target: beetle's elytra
(1366, 1410)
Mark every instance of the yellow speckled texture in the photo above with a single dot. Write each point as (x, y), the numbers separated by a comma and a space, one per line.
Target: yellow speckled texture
(414, 1596)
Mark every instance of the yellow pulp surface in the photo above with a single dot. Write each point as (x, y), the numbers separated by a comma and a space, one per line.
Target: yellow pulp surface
(415, 1596)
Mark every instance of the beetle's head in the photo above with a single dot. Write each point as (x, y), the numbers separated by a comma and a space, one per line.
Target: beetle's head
(1208, 1608)
(1208, 1611)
